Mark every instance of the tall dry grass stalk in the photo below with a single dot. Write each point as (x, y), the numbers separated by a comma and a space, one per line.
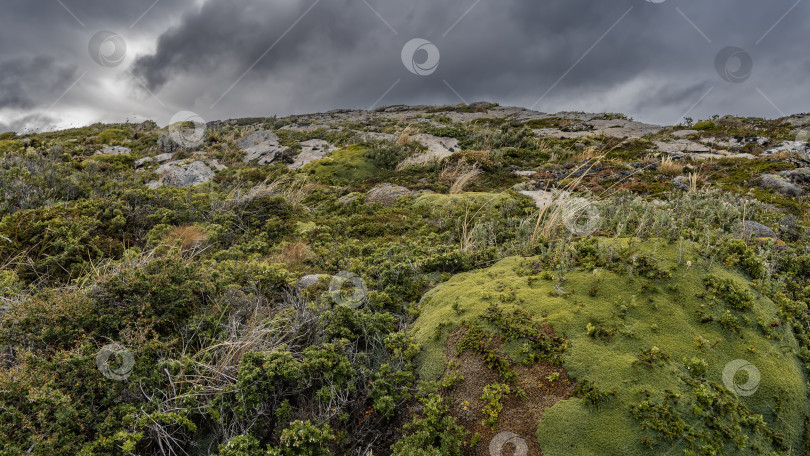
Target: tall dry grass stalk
(669, 167)
(255, 326)
(464, 179)
(405, 137)
(589, 153)
(694, 178)
(550, 218)
(293, 190)
(467, 235)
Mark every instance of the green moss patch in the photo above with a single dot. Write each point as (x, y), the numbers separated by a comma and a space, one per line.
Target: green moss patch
(113, 136)
(463, 202)
(344, 166)
(650, 332)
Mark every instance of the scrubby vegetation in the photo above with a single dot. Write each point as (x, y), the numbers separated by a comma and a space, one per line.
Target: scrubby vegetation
(567, 289)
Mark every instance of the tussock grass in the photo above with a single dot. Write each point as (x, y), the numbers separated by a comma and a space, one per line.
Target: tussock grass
(670, 167)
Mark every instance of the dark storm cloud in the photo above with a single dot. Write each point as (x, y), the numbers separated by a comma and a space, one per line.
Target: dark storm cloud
(26, 82)
(31, 122)
(231, 58)
(342, 54)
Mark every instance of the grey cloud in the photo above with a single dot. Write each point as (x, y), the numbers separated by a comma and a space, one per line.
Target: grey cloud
(237, 32)
(31, 122)
(501, 50)
(28, 82)
(654, 65)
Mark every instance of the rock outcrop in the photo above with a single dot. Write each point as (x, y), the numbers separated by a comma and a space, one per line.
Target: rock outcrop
(180, 174)
(778, 183)
(113, 150)
(311, 150)
(261, 147)
(438, 148)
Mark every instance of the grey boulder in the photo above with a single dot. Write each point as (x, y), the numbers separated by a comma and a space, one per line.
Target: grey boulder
(775, 182)
(309, 281)
(386, 194)
(113, 150)
(177, 174)
(800, 176)
(756, 229)
(262, 147)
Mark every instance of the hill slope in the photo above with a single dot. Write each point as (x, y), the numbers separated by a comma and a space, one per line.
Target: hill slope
(428, 280)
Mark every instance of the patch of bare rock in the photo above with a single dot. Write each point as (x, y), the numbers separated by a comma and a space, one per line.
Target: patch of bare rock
(438, 149)
(780, 184)
(311, 150)
(182, 173)
(261, 147)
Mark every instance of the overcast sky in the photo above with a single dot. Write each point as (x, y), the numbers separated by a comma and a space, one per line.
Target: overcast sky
(68, 63)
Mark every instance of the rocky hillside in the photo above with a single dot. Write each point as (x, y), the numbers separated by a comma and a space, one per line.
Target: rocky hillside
(427, 280)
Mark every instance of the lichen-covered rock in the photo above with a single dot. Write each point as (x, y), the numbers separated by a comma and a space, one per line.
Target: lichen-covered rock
(681, 145)
(261, 146)
(790, 147)
(682, 133)
(582, 124)
(113, 150)
(542, 198)
(177, 174)
(758, 230)
(800, 176)
(348, 199)
(166, 144)
(311, 150)
(310, 280)
(775, 182)
(438, 148)
(386, 194)
(681, 182)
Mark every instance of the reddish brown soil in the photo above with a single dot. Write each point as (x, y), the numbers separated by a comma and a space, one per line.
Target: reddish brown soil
(518, 416)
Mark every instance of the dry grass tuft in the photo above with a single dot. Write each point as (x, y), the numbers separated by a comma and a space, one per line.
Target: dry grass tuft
(405, 137)
(694, 179)
(293, 254)
(480, 157)
(459, 175)
(550, 219)
(237, 198)
(669, 167)
(189, 237)
(589, 153)
(293, 190)
(464, 179)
